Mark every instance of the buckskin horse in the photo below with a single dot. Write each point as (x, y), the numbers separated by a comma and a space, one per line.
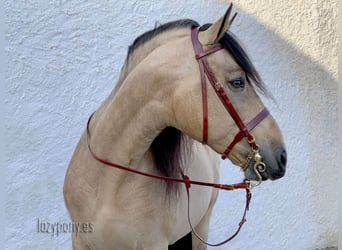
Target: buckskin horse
(145, 170)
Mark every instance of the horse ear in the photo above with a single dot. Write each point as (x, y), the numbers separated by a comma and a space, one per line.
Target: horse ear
(217, 30)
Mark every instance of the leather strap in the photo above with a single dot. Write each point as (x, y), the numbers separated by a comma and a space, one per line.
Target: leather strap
(202, 54)
(242, 221)
(204, 106)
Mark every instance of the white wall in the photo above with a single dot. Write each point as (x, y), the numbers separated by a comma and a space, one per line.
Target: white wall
(63, 58)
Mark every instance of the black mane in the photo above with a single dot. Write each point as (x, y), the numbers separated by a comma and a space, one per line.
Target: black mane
(158, 29)
(167, 152)
(230, 43)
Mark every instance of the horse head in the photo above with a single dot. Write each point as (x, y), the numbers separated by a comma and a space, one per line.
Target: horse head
(239, 81)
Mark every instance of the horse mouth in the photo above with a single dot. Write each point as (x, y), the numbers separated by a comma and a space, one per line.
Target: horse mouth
(265, 169)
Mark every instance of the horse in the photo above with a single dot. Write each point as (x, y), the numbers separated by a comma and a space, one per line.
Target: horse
(163, 120)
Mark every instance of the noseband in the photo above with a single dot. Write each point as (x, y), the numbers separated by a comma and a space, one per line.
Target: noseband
(206, 72)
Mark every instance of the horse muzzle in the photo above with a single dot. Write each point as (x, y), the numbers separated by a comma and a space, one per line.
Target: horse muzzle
(272, 166)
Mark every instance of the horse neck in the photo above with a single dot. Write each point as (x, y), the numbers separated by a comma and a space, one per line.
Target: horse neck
(124, 129)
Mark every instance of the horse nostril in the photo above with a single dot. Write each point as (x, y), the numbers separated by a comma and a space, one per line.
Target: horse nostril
(279, 171)
(283, 158)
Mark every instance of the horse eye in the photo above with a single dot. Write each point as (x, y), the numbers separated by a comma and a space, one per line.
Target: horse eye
(238, 83)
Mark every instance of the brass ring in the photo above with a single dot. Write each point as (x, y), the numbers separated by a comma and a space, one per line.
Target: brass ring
(257, 149)
(252, 140)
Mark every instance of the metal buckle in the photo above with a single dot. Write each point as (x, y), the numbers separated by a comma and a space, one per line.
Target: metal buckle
(218, 86)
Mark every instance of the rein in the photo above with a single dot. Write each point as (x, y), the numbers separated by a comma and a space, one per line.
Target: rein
(259, 166)
(185, 179)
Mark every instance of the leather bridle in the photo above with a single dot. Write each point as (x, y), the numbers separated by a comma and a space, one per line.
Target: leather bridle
(259, 166)
(206, 71)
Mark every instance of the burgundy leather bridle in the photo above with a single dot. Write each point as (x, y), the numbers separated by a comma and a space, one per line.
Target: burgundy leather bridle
(205, 71)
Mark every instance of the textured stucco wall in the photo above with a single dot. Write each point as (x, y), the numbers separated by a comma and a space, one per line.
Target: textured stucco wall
(63, 58)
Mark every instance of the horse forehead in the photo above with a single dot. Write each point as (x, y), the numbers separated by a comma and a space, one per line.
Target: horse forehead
(222, 60)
